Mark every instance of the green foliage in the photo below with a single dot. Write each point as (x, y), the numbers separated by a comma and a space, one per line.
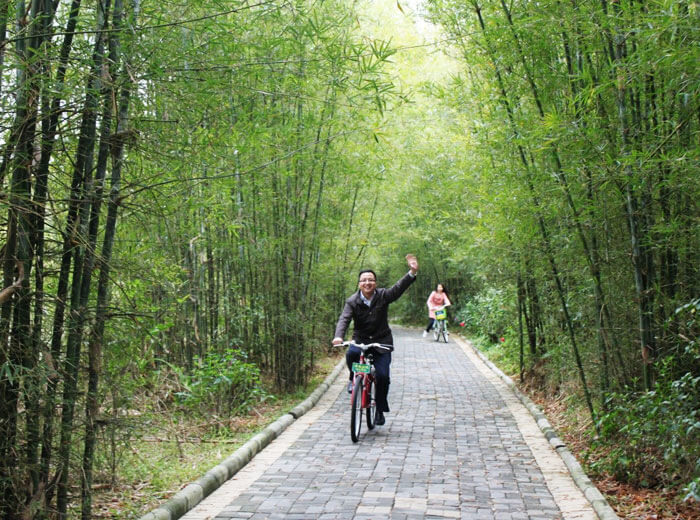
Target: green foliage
(503, 354)
(693, 490)
(653, 438)
(274, 150)
(489, 313)
(687, 343)
(223, 383)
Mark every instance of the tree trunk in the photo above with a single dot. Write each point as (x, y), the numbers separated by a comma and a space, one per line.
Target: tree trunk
(593, 267)
(521, 308)
(79, 291)
(107, 145)
(632, 209)
(4, 16)
(49, 126)
(543, 230)
(18, 353)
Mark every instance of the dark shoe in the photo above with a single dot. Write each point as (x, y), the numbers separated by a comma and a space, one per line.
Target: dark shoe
(350, 386)
(380, 420)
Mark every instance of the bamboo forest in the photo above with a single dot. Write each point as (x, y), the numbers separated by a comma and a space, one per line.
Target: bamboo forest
(189, 188)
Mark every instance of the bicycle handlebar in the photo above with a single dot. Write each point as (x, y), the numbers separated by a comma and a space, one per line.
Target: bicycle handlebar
(364, 347)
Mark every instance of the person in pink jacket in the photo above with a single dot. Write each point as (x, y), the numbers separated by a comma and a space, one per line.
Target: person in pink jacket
(437, 300)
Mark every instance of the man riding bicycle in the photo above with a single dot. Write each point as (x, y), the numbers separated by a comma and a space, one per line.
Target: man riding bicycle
(368, 309)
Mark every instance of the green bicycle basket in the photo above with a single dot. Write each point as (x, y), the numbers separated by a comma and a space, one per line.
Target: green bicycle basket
(441, 314)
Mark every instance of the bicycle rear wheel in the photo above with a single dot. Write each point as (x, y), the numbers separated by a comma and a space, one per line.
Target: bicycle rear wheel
(356, 410)
(372, 408)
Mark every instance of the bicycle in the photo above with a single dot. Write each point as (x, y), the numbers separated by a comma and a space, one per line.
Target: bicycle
(363, 396)
(440, 325)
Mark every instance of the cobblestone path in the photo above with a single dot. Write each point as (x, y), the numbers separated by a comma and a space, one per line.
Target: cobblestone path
(454, 445)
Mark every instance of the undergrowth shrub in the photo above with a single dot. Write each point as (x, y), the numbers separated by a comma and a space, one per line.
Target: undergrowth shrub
(488, 313)
(224, 382)
(653, 438)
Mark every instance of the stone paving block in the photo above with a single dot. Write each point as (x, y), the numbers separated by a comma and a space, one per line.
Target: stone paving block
(476, 513)
(233, 514)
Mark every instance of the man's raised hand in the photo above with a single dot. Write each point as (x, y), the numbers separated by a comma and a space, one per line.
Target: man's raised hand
(412, 263)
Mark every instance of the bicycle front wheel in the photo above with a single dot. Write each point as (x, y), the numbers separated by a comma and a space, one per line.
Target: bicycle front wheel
(437, 331)
(356, 410)
(372, 408)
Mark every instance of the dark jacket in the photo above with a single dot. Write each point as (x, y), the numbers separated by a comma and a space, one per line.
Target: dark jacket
(371, 323)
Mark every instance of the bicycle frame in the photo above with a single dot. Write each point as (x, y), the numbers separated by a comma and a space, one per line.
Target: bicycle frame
(365, 379)
(440, 326)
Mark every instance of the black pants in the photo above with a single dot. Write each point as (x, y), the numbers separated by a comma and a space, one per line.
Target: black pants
(431, 324)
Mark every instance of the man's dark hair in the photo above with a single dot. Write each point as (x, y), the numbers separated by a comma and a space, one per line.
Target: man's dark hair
(367, 271)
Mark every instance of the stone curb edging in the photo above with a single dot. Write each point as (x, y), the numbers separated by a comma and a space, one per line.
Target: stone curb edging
(192, 494)
(590, 491)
